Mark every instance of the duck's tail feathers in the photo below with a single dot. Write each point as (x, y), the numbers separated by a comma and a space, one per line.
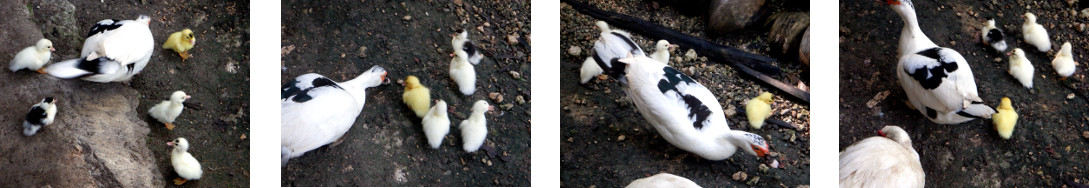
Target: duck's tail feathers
(75, 68)
(977, 110)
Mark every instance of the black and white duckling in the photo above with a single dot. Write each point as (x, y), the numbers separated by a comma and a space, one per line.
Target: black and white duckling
(114, 51)
(993, 36)
(685, 112)
(938, 81)
(612, 46)
(461, 66)
(187, 166)
(40, 114)
(475, 129)
(33, 57)
(315, 110)
(167, 111)
(462, 43)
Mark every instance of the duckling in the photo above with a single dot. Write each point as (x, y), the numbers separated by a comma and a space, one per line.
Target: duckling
(181, 42)
(167, 111)
(1035, 34)
(1064, 62)
(187, 167)
(461, 70)
(993, 36)
(758, 109)
(416, 96)
(34, 57)
(661, 51)
(475, 129)
(40, 114)
(1020, 67)
(590, 69)
(436, 124)
(1005, 119)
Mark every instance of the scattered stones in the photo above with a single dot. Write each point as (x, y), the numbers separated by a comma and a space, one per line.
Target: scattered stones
(753, 181)
(574, 51)
(620, 138)
(763, 168)
(362, 53)
(520, 100)
(690, 55)
(406, 18)
(1085, 134)
(877, 98)
(496, 97)
(512, 38)
(740, 176)
(515, 75)
(507, 106)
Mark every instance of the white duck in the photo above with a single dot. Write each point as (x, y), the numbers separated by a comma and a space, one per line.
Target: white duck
(1064, 62)
(661, 51)
(167, 111)
(590, 69)
(436, 124)
(40, 114)
(994, 36)
(315, 110)
(33, 57)
(938, 81)
(475, 129)
(1020, 67)
(187, 167)
(663, 180)
(612, 46)
(1035, 34)
(684, 112)
(461, 70)
(114, 51)
(881, 161)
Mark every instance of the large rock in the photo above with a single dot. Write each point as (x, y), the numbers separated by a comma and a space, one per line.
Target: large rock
(97, 138)
(57, 22)
(732, 15)
(786, 30)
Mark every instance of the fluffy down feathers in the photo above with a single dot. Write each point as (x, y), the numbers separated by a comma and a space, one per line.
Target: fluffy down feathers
(416, 96)
(1005, 119)
(475, 129)
(1021, 68)
(34, 57)
(1064, 61)
(758, 109)
(436, 124)
(1035, 34)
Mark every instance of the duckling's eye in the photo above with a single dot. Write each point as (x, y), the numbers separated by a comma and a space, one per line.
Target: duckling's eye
(466, 48)
(190, 35)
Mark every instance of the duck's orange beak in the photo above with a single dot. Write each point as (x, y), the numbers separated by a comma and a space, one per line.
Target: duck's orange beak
(760, 151)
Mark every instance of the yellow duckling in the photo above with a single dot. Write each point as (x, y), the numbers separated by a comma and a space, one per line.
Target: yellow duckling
(1005, 119)
(758, 109)
(181, 42)
(417, 96)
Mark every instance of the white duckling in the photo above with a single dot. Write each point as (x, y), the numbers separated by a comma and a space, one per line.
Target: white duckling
(33, 57)
(661, 51)
(167, 111)
(113, 52)
(475, 129)
(1064, 62)
(1021, 68)
(938, 81)
(1035, 34)
(187, 167)
(994, 36)
(40, 114)
(315, 110)
(436, 124)
(881, 161)
(663, 180)
(590, 69)
(611, 46)
(461, 70)
(684, 112)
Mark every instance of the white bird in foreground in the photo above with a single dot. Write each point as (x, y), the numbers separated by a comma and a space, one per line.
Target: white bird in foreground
(938, 81)
(684, 112)
(315, 110)
(663, 180)
(114, 51)
(167, 111)
(589, 70)
(1035, 34)
(475, 129)
(1064, 62)
(1020, 67)
(40, 114)
(461, 70)
(994, 36)
(661, 51)
(187, 167)
(436, 124)
(33, 57)
(888, 160)
(612, 46)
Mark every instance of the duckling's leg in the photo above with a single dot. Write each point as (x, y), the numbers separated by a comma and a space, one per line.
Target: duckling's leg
(41, 70)
(184, 55)
(169, 126)
(179, 181)
(339, 140)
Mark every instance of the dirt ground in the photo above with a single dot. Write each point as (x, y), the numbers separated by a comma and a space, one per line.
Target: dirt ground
(386, 146)
(1050, 143)
(599, 117)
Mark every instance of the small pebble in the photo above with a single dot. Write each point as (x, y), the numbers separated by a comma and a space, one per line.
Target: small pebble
(740, 176)
(574, 51)
(512, 38)
(1085, 134)
(515, 75)
(763, 168)
(753, 181)
(407, 18)
(496, 97)
(520, 99)
(1070, 96)
(620, 138)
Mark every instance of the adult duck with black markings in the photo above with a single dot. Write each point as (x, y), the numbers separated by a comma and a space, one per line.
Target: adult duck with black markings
(315, 110)
(113, 52)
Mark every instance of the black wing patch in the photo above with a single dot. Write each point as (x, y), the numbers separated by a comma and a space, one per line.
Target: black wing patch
(930, 112)
(931, 77)
(36, 115)
(469, 48)
(995, 35)
(289, 89)
(696, 108)
(103, 27)
(302, 95)
(94, 65)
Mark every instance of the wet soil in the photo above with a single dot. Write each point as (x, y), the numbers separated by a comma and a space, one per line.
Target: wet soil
(386, 145)
(1050, 142)
(606, 143)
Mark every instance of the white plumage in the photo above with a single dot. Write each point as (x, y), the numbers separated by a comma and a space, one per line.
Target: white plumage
(167, 111)
(611, 46)
(315, 111)
(1064, 61)
(661, 51)
(883, 161)
(33, 57)
(994, 36)
(663, 180)
(684, 112)
(113, 51)
(436, 124)
(475, 129)
(40, 114)
(461, 70)
(1020, 68)
(1035, 34)
(590, 69)
(938, 81)
(185, 164)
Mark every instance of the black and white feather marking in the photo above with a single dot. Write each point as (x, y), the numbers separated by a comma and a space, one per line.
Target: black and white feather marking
(38, 116)
(697, 111)
(298, 90)
(995, 36)
(612, 47)
(103, 26)
(931, 75)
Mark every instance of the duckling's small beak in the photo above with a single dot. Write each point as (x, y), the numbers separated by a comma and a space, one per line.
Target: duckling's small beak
(171, 143)
(187, 97)
(491, 108)
(51, 49)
